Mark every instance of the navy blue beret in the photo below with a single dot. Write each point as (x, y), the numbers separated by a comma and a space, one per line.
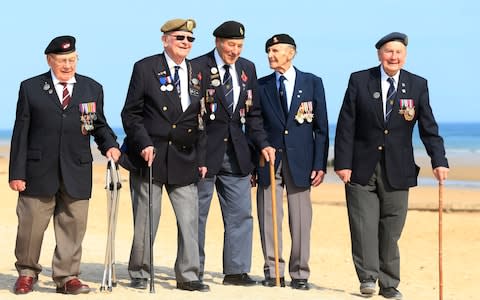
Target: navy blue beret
(61, 45)
(230, 30)
(394, 36)
(281, 38)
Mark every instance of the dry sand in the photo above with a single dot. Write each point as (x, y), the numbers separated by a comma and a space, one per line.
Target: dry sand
(332, 272)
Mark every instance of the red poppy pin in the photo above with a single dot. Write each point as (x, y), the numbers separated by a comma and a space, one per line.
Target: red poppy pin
(244, 76)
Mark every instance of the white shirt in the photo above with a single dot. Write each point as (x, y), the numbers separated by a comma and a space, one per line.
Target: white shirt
(59, 87)
(183, 74)
(385, 86)
(290, 76)
(233, 72)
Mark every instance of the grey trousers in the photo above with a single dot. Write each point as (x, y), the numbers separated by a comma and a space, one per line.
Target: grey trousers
(299, 220)
(184, 201)
(70, 223)
(376, 214)
(236, 205)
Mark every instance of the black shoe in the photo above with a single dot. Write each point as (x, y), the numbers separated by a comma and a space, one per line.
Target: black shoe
(300, 284)
(239, 279)
(390, 293)
(193, 286)
(270, 282)
(368, 288)
(139, 283)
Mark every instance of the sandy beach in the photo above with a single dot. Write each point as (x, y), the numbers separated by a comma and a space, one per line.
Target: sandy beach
(332, 272)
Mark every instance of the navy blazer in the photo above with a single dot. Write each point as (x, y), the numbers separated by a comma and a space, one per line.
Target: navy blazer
(153, 116)
(362, 136)
(305, 144)
(48, 146)
(228, 127)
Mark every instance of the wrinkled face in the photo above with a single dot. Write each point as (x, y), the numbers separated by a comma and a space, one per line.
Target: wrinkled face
(229, 49)
(63, 66)
(280, 57)
(392, 56)
(178, 44)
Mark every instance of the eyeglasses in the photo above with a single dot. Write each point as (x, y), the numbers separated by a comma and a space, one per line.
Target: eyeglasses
(182, 37)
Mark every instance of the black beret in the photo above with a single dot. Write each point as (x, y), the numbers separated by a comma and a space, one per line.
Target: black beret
(394, 36)
(178, 25)
(281, 38)
(61, 45)
(230, 30)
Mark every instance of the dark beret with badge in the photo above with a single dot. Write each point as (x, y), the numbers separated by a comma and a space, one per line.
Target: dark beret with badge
(230, 30)
(178, 25)
(281, 38)
(61, 45)
(394, 36)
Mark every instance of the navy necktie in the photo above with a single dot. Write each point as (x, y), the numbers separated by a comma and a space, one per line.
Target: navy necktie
(176, 80)
(283, 95)
(390, 98)
(228, 84)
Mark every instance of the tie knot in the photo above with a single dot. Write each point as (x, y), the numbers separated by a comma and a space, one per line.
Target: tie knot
(391, 80)
(64, 84)
(227, 68)
(177, 68)
(281, 79)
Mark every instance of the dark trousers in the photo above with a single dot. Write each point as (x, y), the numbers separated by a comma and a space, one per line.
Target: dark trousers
(376, 214)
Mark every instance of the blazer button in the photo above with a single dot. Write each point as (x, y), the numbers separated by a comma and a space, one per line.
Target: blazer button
(164, 108)
(386, 131)
(174, 126)
(169, 142)
(380, 148)
(189, 130)
(286, 132)
(225, 139)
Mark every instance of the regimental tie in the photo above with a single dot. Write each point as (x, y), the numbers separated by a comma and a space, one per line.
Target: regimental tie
(65, 95)
(390, 98)
(283, 95)
(228, 84)
(176, 80)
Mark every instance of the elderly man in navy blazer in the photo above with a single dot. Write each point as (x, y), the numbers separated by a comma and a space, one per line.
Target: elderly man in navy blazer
(234, 124)
(295, 118)
(374, 158)
(51, 165)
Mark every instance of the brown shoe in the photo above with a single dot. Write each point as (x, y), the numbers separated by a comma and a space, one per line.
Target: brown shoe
(24, 285)
(73, 287)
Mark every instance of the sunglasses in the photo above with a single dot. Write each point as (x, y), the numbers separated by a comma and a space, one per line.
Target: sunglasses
(182, 37)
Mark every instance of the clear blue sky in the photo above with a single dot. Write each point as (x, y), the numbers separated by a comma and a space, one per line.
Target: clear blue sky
(334, 39)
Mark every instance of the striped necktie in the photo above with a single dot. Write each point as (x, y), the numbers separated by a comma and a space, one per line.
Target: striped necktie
(390, 98)
(65, 95)
(176, 80)
(228, 84)
(283, 94)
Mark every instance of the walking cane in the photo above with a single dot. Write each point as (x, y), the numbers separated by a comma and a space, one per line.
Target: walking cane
(150, 222)
(440, 240)
(274, 220)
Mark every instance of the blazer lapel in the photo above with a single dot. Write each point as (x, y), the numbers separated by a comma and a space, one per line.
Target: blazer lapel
(375, 92)
(161, 70)
(297, 96)
(273, 98)
(49, 88)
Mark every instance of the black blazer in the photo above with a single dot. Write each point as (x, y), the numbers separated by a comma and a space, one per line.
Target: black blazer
(153, 116)
(48, 146)
(362, 136)
(229, 128)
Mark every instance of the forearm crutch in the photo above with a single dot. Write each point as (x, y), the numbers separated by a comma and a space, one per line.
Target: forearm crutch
(112, 186)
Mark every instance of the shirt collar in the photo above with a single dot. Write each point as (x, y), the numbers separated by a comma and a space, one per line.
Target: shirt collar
(56, 81)
(289, 74)
(171, 64)
(385, 76)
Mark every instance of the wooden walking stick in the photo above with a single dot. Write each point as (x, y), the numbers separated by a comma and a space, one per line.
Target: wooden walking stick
(274, 220)
(440, 239)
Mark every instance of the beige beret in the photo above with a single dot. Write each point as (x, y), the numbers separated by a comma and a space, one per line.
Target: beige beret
(178, 25)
